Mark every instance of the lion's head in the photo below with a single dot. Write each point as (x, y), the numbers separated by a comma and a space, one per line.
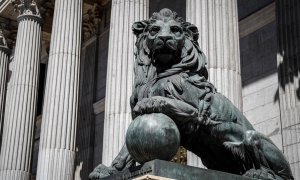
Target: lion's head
(166, 45)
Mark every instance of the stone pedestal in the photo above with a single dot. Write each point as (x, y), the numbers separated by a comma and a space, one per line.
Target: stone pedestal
(120, 74)
(20, 110)
(58, 132)
(217, 22)
(289, 79)
(163, 170)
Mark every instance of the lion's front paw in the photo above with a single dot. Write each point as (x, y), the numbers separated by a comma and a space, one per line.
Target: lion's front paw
(102, 171)
(263, 173)
(96, 175)
(150, 105)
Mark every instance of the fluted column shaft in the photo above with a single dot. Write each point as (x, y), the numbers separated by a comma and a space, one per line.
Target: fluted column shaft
(217, 22)
(4, 58)
(20, 111)
(58, 132)
(120, 73)
(288, 21)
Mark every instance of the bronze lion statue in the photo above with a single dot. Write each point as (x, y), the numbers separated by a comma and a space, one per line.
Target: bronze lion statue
(171, 78)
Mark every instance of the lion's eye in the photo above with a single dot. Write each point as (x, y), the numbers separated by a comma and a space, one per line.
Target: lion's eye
(154, 29)
(175, 29)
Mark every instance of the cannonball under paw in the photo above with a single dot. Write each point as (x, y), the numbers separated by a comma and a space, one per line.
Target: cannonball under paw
(152, 136)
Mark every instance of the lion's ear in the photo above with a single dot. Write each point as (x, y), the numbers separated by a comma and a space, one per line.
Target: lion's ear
(194, 30)
(138, 27)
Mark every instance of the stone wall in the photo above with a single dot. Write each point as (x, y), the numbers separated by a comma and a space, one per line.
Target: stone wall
(247, 7)
(260, 81)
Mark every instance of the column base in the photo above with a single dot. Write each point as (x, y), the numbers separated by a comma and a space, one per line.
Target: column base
(55, 163)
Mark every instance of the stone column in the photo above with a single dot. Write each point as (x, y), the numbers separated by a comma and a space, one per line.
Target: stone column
(288, 21)
(217, 22)
(4, 58)
(120, 74)
(58, 132)
(20, 110)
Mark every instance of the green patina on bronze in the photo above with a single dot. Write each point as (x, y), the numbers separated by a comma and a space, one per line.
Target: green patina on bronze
(171, 78)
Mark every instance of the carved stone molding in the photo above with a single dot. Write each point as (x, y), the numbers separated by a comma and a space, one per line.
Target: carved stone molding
(3, 43)
(46, 8)
(90, 22)
(27, 9)
(9, 31)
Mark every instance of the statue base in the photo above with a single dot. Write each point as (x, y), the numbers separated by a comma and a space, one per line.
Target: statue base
(164, 170)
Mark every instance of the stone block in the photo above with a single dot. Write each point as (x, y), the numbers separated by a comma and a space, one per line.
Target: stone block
(296, 170)
(289, 116)
(289, 135)
(164, 170)
(253, 100)
(270, 93)
(272, 129)
(263, 113)
(269, 127)
(292, 153)
(260, 97)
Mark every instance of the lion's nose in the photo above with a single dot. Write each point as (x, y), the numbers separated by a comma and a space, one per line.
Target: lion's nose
(165, 38)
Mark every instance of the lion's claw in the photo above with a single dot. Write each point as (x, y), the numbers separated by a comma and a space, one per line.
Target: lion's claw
(102, 171)
(260, 174)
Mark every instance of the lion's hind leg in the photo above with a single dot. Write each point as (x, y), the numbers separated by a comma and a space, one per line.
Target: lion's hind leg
(260, 157)
(269, 160)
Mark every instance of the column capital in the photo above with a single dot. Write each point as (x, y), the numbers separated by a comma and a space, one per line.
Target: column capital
(27, 9)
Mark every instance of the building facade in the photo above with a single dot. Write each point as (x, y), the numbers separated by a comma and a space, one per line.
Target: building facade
(66, 75)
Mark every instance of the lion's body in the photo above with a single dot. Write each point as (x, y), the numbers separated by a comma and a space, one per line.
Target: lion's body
(229, 125)
(221, 135)
(207, 140)
(171, 78)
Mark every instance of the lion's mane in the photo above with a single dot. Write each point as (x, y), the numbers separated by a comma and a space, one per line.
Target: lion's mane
(192, 59)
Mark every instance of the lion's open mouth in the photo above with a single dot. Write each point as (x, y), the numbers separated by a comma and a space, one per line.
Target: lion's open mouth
(164, 56)
(165, 50)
